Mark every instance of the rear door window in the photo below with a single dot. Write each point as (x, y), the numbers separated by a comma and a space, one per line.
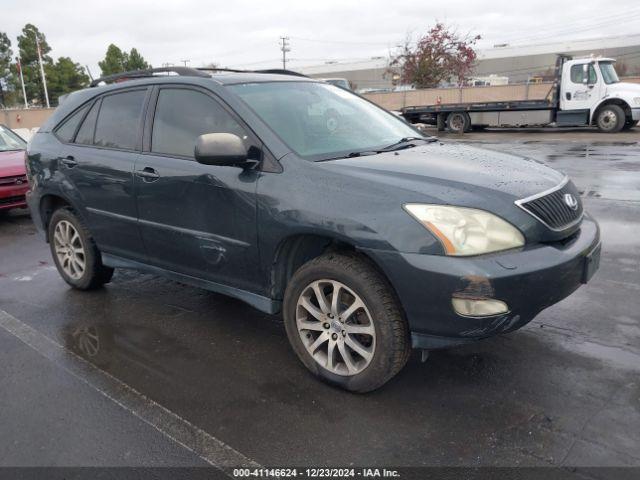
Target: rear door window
(182, 115)
(67, 130)
(119, 120)
(85, 134)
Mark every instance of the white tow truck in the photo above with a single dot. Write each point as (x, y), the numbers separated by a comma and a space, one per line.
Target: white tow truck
(586, 91)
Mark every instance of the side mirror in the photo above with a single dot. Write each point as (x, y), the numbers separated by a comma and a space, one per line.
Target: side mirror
(220, 149)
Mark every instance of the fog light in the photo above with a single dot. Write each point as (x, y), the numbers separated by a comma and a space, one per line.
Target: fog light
(478, 308)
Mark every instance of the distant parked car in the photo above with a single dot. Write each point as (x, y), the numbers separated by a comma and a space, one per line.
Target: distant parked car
(13, 176)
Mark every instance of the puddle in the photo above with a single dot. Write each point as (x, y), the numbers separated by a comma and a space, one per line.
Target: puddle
(614, 355)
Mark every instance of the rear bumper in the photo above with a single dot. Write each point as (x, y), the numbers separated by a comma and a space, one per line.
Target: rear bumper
(13, 196)
(527, 280)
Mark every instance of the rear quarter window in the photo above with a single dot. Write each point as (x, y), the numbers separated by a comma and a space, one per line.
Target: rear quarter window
(67, 130)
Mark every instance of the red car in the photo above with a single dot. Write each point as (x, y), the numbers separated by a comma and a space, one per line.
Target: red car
(13, 175)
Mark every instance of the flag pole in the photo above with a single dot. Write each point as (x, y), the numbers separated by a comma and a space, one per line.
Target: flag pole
(24, 91)
(44, 79)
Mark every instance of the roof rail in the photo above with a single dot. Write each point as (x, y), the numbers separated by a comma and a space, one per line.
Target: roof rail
(182, 71)
(282, 71)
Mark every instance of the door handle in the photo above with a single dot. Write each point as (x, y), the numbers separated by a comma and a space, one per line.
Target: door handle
(69, 161)
(568, 95)
(148, 174)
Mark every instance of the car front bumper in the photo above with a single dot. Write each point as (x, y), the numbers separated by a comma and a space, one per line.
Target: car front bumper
(527, 280)
(13, 196)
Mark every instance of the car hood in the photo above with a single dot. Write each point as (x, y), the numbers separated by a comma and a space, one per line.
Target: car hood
(453, 173)
(622, 88)
(12, 163)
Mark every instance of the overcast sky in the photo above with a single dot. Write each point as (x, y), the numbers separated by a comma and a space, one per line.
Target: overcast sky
(244, 33)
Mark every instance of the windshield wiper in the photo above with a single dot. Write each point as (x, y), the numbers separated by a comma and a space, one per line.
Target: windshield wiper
(362, 153)
(406, 142)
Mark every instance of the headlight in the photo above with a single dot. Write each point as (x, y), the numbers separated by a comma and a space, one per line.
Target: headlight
(466, 231)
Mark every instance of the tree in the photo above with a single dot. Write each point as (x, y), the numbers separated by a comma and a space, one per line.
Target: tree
(5, 62)
(440, 55)
(135, 61)
(65, 76)
(118, 61)
(29, 60)
(113, 62)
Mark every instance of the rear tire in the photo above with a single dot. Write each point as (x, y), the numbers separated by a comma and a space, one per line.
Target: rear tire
(610, 119)
(358, 341)
(75, 253)
(458, 122)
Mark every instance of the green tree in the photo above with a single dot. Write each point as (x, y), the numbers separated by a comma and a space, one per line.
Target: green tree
(114, 61)
(29, 60)
(135, 61)
(63, 77)
(5, 63)
(118, 61)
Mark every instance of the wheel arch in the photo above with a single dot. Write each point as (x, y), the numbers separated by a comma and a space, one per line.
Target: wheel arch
(610, 101)
(297, 249)
(49, 203)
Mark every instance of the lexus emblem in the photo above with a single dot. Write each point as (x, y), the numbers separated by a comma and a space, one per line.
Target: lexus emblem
(570, 201)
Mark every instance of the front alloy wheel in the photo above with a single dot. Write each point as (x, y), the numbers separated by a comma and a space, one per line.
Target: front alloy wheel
(335, 327)
(344, 321)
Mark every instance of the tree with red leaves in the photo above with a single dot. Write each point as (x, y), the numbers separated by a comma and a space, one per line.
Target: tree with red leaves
(440, 55)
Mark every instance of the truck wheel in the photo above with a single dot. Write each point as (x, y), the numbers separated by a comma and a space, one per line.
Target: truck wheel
(344, 322)
(458, 122)
(610, 119)
(75, 253)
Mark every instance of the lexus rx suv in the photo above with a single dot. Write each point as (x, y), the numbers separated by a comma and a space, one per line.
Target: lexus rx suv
(300, 197)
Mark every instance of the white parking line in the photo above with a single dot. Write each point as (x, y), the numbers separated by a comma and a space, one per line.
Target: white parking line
(181, 431)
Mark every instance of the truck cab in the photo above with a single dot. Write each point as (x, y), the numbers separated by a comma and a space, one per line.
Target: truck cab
(591, 93)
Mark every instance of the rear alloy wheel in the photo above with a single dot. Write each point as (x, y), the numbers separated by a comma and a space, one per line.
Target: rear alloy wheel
(610, 119)
(75, 253)
(344, 322)
(458, 122)
(69, 249)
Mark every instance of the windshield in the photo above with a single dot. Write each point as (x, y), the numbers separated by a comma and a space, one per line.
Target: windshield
(10, 141)
(609, 73)
(320, 121)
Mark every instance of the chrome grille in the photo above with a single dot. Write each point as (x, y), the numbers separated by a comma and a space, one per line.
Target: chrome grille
(15, 180)
(558, 208)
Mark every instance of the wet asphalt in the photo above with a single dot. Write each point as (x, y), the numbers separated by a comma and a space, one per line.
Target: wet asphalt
(564, 390)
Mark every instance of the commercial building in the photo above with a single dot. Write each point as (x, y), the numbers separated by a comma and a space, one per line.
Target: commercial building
(518, 63)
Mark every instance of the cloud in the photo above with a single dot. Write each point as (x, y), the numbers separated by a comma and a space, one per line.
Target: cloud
(245, 32)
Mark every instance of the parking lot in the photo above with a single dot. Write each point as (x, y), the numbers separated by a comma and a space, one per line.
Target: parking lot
(150, 372)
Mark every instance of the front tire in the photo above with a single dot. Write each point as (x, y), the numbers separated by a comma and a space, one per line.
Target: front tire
(75, 253)
(610, 119)
(344, 322)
